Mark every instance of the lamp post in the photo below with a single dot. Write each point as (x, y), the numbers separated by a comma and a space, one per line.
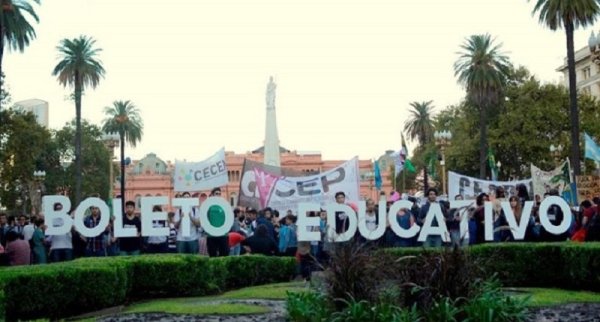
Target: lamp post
(442, 140)
(498, 165)
(556, 152)
(37, 191)
(112, 141)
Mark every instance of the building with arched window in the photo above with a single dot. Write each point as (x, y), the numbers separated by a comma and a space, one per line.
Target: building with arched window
(151, 176)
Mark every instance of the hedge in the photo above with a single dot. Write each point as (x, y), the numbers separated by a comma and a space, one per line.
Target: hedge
(88, 284)
(552, 265)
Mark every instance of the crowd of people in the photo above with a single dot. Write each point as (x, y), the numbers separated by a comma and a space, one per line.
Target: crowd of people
(267, 232)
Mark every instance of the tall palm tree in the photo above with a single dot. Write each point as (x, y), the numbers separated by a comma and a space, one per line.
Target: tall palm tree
(482, 69)
(78, 68)
(15, 30)
(124, 119)
(420, 126)
(570, 14)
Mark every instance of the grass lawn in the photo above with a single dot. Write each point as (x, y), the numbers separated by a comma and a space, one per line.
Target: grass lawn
(551, 296)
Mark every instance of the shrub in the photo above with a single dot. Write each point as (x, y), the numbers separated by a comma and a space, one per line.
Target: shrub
(553, 265)
(307, 307)
(66, 289)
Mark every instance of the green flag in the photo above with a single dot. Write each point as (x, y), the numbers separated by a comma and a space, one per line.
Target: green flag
(409, 166)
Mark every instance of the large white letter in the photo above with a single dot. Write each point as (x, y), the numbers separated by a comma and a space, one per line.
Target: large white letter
(58, 221)
(488, 221)
(80, 216)
(118, 229)
(331, 222)
(148, 216)
(304, 222)
(362, 222)
(435, 211)
(567, 217)
(518, 229)
(462, 207)
(186, 205)
(394, 209)
(208, 227)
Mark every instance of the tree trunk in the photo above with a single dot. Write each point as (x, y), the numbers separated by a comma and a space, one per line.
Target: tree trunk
(78, 167)
(574, 111)
(122, 137)
(2, 32)
(482, 141)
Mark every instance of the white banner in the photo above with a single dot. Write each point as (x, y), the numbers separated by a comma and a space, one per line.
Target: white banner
(470, 187)
(261, 188)
(543, 181)
(205, 175)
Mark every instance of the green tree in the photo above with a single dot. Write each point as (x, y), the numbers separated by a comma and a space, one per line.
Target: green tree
(482, 68)
(15, 29)
(95, 160)
(123, 118)
(569, 14)
(420, 126)
(26, 147)
(78, 68)
(532, 118)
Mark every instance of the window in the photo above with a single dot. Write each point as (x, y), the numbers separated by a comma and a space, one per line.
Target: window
(587, 72)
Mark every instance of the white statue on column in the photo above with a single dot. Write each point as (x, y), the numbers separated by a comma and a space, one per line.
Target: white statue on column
(270, 97)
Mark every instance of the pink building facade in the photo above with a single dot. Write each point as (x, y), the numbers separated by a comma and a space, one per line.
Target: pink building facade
(151, 176)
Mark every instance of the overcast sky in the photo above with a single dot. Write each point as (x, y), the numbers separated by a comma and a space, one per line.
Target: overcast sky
(346, 70)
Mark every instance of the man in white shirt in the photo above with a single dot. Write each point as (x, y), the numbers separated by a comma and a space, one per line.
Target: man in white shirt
(61, 246)
(187, 244)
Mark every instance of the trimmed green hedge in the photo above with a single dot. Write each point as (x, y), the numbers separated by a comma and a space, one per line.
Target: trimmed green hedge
(88, 284)
(554, 265)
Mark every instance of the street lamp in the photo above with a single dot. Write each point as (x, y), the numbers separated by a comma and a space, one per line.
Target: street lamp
(442, 139)
(112, 141)
(594, 46)
(556, 152)
(498, 165)
(37, 191)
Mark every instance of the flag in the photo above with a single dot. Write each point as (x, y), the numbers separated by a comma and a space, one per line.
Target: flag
(378, 182)
(592, 150)
(492, 164)
(402, 161)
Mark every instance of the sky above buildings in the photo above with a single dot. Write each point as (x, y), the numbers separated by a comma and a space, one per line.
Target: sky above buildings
(346, 70)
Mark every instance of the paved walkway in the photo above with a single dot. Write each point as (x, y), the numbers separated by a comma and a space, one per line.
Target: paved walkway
(278, 313)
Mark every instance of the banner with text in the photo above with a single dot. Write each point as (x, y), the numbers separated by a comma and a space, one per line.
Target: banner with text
(205, 175)
(588, 187)
(470, 187)
(267, 186)
(543, 181)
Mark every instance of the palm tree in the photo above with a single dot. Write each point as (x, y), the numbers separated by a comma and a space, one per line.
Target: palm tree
(78, 68)
(15, 30)
(482, 69)
(124, 119)
(569, 14)
(420, 126)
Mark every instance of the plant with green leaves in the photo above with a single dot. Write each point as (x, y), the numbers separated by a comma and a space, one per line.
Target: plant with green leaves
(123, 118)
(482, 69)
(569, 14)
(16, 30)
(420, 126)
(307, 307)
(79, 68)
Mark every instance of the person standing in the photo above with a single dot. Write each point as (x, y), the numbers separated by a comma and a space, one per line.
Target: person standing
(217, 245)
(94, 246)
(37, 241)
(131, 245)
(61, 246)
(432, 240)
(187, 244)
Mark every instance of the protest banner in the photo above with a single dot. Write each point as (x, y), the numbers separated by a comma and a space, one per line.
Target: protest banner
(588, 187)
(197, 176)
(266, 186)
(470, 187)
